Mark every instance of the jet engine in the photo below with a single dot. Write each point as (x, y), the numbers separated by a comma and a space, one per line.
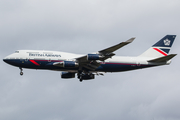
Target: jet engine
(93, 57)
(67, 75)
(66, 64)
(70, 64)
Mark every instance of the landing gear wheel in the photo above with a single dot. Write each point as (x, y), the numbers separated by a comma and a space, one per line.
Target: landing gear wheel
(21, 73)
(80, 78)
(80, 75)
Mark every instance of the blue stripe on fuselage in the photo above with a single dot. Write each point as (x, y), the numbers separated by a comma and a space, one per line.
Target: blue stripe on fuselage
(118, 67)
(45, 64)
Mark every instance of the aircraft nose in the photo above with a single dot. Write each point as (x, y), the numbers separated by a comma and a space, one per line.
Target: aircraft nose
(8, 61)
(5, 60)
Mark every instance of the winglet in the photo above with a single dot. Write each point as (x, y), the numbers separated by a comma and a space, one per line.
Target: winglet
(130, 40)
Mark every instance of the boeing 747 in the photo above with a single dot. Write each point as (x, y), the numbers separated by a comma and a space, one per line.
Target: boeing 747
(89, 65)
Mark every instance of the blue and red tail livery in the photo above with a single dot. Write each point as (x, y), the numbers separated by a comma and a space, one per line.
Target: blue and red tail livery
(166, 41)
(164, 45)
(161, 48)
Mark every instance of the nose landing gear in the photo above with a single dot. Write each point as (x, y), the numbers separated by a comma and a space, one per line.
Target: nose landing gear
(21, 73)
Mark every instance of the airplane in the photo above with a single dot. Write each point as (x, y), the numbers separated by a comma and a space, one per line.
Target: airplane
(89, 65)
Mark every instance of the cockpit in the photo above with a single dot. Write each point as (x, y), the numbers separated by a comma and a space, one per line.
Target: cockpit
(16, 51)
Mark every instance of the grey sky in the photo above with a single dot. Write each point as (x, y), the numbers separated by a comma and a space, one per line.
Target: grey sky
(85, 26)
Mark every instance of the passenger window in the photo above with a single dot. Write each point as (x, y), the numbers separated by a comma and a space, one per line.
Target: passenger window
(16, 51)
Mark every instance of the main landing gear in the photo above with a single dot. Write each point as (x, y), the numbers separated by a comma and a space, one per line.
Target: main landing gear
(21, 73)
(80, 76)
(85, 76)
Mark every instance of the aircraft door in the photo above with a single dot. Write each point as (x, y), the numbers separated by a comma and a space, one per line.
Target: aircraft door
(26, 60)
(138, 63)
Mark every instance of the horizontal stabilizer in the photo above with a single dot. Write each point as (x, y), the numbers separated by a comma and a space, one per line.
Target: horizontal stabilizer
(163, 59)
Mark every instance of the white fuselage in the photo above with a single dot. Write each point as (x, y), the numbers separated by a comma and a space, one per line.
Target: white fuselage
(42, 58)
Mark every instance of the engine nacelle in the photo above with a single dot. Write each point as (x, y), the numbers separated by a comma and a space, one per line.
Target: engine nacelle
(67, 64)
(70, 64)
(88, 77)
(93, 57)
(67, 75)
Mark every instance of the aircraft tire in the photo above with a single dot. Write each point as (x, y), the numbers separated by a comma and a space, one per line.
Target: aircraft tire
(21, 73)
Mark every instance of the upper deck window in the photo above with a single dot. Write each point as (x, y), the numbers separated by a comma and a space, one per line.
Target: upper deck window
(16, 51)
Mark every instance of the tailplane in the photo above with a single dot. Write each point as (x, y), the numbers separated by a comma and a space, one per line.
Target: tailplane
(161, 48)
(162, 59)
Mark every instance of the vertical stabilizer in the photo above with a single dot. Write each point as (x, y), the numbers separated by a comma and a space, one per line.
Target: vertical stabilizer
(161, 48)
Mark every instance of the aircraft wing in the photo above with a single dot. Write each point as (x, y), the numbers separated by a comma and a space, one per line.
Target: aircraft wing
(102, 55)
(108, 52)
(93, 61)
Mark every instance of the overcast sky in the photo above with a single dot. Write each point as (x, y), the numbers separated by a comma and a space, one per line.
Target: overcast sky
(85, 26)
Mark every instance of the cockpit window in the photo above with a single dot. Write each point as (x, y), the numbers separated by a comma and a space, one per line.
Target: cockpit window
(16, 51)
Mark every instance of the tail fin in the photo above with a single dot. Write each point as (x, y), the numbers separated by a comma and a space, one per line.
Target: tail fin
(161, 48)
